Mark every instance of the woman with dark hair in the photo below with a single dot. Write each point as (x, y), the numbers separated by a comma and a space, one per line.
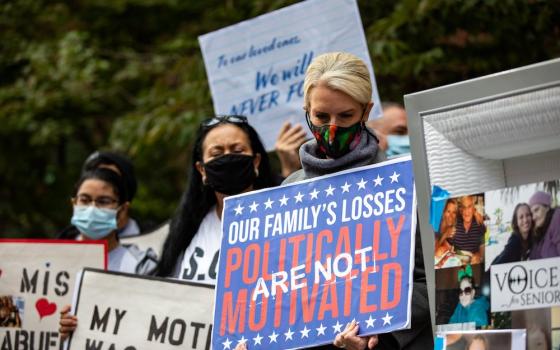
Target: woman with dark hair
(100, 204)
(519, 243)
(446, 231)
(228, 158)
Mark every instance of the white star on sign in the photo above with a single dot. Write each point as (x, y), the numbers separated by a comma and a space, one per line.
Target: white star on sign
(257, 339)
(305, 332)
(337, 328)
(330, 190)
(387, 319)
(242, 340)
(321, 330)
(273, 337)
(254, 206)
(289, 334)
(227, 344)
(361, 184)
(370, 321)
(283, 200)
(345, 187)
(268, 204)
(238, 209)
(314, 194)
(377, 181)
(395, 177)
(298, 197)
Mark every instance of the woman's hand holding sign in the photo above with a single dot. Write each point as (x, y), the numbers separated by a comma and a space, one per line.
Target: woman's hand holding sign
(349, 339)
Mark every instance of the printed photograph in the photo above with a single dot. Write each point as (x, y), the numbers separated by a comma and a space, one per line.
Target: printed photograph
(461, 232)
(523, 223)
(537, 322)
(11, 311)
(485, 340)
(462, 298)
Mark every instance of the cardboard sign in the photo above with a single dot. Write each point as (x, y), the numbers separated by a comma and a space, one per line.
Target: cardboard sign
(125, 311)
(36, 280)
(298, 262)
(256, 67)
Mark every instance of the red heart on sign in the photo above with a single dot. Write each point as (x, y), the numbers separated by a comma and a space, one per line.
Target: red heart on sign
(44, 308)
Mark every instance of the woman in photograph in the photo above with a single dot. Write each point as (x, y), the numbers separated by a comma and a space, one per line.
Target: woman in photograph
(546, 243)
(446, 230)
(9, 313)
(537, 338)
(469, 308)
(519, 243)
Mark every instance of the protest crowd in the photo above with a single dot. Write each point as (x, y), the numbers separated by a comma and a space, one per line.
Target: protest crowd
(305, 256)
(228, 159)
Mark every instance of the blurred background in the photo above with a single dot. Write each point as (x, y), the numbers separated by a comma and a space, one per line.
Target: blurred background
(128, 75)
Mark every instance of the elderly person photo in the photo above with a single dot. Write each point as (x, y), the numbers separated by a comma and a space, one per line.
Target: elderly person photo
(547, 226)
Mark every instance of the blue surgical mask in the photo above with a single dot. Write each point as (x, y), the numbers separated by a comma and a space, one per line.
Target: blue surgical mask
(398, 145)
(95, 223)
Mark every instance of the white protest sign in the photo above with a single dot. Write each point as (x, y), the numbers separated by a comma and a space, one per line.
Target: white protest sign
(36, 280)
(256, 67)
(525, 285)
(124, 311)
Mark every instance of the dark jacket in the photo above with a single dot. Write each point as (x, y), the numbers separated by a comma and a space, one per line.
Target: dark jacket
(512, 251)
(419, 336)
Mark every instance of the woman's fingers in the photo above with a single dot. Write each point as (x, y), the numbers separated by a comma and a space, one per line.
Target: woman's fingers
(372, 341)
(67, 322)
(65, 309)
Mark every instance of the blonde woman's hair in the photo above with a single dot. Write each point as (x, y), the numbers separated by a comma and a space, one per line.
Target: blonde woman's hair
(340, 71)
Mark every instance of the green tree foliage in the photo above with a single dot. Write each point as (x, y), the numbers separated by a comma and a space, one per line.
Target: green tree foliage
(128, 75)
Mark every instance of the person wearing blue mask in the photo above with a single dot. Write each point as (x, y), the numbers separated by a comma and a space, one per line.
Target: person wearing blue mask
(100, 207)
(99, 210)
(392, 130)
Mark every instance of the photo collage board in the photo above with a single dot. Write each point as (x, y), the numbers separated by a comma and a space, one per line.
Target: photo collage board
(497, 261)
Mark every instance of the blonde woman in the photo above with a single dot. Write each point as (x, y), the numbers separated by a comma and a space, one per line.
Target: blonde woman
(337, 95)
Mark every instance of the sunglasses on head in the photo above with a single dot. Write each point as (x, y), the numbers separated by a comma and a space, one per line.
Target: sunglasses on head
(467, 290)
(235, 119)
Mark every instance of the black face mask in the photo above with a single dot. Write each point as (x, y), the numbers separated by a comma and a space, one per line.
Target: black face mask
(231, 173)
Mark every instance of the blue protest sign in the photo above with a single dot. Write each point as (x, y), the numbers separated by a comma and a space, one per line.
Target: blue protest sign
(300, 261)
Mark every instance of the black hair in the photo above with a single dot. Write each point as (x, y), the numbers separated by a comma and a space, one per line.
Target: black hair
(125, 166)
(198, 199)
(105, 175)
